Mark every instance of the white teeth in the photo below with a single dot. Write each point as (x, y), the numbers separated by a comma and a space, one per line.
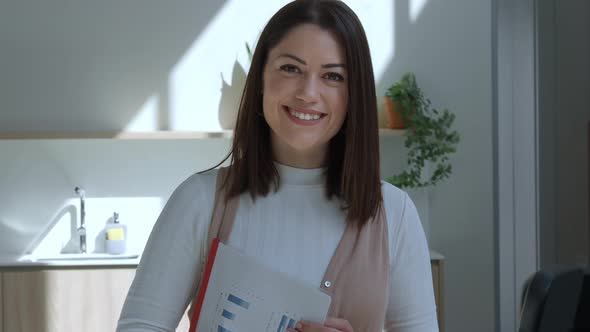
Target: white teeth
(304, 116)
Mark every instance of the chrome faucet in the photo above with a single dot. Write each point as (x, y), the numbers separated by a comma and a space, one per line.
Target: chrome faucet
(82, 229)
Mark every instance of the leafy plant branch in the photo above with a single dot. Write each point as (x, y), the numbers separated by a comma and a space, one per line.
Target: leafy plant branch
(429, 139)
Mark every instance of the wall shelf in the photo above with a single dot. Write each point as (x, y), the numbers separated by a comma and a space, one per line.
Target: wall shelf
(384, 132)
(155, 135)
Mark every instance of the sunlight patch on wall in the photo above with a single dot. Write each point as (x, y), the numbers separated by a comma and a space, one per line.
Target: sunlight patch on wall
(206, 83)
(196, 83)
(378, 18)
(137, 213)
(416, 7)
(146, 118)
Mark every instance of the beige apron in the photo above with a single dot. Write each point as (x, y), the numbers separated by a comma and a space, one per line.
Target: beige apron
(357, 275)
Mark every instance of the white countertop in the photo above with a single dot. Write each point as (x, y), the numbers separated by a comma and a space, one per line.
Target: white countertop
(96, 260)
(435, 255)
(93, 260)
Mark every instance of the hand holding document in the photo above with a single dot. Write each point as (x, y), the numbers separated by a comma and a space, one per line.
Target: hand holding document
(240, 294)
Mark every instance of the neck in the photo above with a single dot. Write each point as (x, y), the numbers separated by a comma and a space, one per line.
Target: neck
(289, 156)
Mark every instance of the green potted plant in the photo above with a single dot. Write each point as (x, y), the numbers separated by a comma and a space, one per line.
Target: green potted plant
(399, 97)
(430, 138)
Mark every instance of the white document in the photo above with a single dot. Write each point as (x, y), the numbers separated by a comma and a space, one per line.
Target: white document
(243, 295)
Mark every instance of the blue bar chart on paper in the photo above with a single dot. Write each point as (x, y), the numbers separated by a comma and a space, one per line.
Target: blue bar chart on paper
(243, 296)
(238, 301)
(234, 309)
(229, 314)
(286, 322)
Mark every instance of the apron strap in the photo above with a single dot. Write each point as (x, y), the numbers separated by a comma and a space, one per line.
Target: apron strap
(224, 213)
(222, 221)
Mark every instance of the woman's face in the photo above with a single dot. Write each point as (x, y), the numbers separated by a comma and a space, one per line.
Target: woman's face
(305, 95)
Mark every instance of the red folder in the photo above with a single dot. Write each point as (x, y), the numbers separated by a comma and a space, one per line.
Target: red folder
(198, 302)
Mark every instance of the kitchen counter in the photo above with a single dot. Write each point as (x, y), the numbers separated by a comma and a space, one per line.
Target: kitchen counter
(27, 261)
(435, 255)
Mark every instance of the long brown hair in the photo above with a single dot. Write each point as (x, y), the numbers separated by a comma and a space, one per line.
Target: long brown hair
(353, 157)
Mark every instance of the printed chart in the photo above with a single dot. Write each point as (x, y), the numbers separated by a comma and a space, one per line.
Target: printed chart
(243, 295)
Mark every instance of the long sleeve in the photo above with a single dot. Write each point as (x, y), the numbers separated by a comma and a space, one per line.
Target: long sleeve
(168, 271)
(411, 297)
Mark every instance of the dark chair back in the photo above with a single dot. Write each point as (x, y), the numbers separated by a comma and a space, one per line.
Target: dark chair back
(551, 299)
(583, 314)
(533, 298)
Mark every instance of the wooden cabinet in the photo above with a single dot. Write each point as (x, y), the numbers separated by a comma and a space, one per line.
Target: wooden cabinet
(1, 305)
(87, 300)
(90, 300)
(437, 264)
(64, 300)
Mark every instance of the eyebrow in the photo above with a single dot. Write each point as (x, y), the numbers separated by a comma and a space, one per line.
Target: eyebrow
(328, 65)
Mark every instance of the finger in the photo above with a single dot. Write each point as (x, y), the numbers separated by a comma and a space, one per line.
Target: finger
(297, 328)
(305, 326)
(339, 324)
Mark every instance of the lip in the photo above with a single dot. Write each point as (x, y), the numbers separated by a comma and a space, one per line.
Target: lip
(298, 121)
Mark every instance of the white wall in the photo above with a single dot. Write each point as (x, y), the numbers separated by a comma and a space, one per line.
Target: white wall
(113, 66)
(133, 178)
(448, 46)
(138, 65)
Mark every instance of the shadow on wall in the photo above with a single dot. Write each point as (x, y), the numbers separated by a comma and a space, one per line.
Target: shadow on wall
(17, 237)
(451, 58)
(37, 179)
(231, 95)
(436, 48)
(93, 63)
(32, 185)
(73, 245)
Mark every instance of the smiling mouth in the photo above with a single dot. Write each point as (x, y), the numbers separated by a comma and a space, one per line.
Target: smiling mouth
(304, 116)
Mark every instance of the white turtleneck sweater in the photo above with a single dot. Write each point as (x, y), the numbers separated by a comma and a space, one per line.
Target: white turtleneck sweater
(295, 231)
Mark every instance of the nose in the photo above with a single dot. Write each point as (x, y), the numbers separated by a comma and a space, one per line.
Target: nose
(308, 89)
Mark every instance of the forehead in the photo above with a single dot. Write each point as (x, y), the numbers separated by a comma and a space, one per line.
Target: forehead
(312, 43)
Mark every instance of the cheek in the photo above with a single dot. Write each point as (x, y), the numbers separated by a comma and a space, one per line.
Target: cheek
(269, 101)
(339, 101)
(276, 86)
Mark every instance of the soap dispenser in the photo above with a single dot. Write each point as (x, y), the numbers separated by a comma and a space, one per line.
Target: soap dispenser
(116, 236)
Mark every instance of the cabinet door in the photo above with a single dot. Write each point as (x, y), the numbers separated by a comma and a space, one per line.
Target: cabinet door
(438, 285)
(64, 300)
(1, 300)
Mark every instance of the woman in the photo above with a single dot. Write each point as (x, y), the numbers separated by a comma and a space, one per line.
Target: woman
(304, 178)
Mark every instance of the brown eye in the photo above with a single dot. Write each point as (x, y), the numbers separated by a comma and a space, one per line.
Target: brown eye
(290, 69)
(334, 77)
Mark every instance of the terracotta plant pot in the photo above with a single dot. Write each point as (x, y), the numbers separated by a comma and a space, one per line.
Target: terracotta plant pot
(394, 118)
